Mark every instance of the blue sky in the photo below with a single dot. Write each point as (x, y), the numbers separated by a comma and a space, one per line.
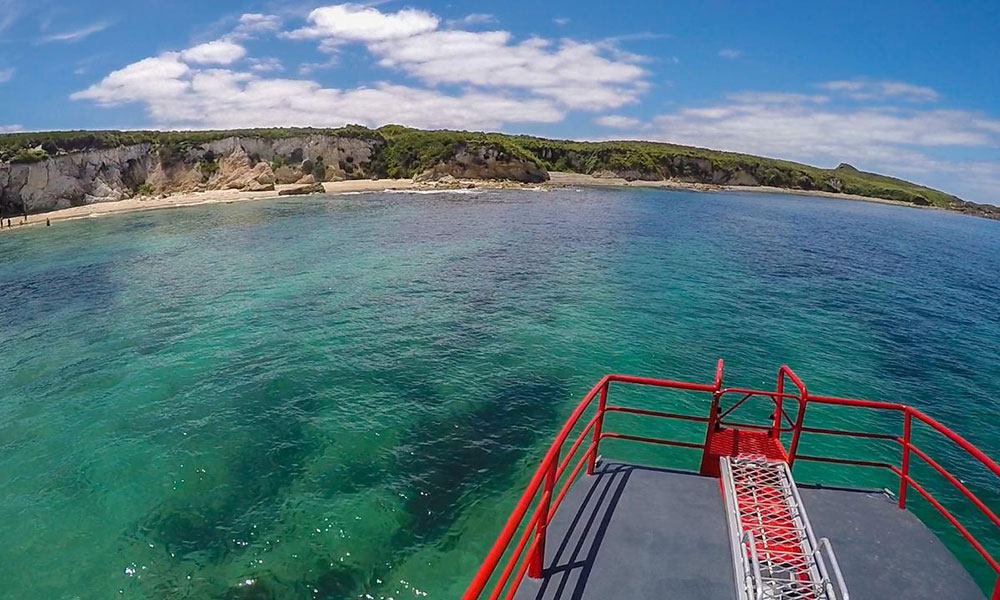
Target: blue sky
(911, 89)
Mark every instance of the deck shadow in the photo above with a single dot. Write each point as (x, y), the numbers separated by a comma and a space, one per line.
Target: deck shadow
(645, 533)
(626, 532)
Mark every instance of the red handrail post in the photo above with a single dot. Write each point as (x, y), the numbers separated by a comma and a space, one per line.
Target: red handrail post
(708, 466)
(904, 476)
(996, 590)
(537, 565)
(780, 389)
(796, 432)
(793, 447)
(602, 404)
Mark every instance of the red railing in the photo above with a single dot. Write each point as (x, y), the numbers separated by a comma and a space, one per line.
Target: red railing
(527, 556)
(906, 480)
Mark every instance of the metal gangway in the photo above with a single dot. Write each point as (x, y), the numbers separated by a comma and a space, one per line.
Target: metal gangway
(775, 553)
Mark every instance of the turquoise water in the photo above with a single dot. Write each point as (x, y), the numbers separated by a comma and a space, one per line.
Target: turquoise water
(338, 396)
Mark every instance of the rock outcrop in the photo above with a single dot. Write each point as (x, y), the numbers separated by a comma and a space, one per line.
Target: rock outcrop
(238, 172)
(301, 190)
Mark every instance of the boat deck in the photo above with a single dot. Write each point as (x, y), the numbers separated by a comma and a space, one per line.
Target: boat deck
(645, 533)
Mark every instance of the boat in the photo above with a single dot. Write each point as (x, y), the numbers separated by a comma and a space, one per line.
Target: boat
(740, 526)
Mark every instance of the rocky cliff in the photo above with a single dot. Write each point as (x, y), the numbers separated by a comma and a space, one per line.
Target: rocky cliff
(245, 163)
(73, 179)
(628, 164)
(37, 181)
(484, 162)
(42, 171)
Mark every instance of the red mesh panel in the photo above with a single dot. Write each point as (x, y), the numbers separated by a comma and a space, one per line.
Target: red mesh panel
(734, 442)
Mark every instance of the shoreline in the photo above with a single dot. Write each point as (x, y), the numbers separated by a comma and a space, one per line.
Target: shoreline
(186, 199)
(558, 180)
(576, 179)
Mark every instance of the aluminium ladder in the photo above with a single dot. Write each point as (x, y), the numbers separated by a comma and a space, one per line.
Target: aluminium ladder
(775, 554)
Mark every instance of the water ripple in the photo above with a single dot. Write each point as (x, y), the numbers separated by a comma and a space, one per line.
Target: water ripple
(326, 398)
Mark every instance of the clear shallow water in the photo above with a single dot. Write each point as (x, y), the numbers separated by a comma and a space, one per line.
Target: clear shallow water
(332, 397)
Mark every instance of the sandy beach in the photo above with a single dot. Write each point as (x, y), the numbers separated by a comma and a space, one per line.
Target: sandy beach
(558, 180)
(197, 199)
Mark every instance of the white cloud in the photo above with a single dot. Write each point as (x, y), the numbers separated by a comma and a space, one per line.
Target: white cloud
(881, 90)
(561, 21)
(987, 124)
(357, 23)
(252, 24)
(77, 34)
(776, 98)
(575, 74)
(7, 74)
(618, 122)
(84, 64)
(308, 68)
(812, 130)
(144, 80)
(11, 128)
(10, 10)
(586, 76)
(730, 53)
(472, 80)
(805, 131)
(473, 19)
(979, 181)
(219, 52)
(177, 95)
(265, 65)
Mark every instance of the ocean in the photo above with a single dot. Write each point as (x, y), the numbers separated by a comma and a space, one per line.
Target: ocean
(343, 396)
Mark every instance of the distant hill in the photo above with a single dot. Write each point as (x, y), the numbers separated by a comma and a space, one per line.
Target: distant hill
(136, 161)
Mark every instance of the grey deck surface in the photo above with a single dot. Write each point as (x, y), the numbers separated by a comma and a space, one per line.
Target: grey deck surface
(637, 533)
(885, 552)
(653, 534)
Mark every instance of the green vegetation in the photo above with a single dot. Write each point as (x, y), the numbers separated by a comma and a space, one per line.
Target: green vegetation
(61, 142)
(29, 155)
(208, 167)
(405, 152)
(411, 151)
(653, 160)
(145, 189)
(319, 169)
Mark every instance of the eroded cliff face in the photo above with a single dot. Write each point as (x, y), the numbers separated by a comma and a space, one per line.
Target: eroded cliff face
(484, 162)
(73, 179)
(51, 170)
(243, 163)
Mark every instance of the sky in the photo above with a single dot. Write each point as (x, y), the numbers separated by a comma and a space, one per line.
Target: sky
(910, 89)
